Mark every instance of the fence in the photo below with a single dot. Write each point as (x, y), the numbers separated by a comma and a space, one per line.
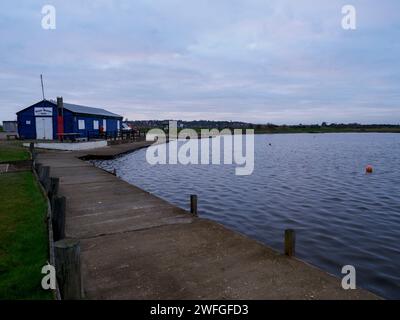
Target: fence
(117, 135)
(64, 252)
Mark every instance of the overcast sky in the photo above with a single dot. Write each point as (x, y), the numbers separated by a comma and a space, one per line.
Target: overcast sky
(261, 61)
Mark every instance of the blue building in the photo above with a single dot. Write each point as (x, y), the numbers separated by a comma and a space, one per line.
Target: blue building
(47, 120)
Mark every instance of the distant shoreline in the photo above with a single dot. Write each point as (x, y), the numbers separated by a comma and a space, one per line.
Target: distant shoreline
(256, 132)
(268, 128)
(327, 131)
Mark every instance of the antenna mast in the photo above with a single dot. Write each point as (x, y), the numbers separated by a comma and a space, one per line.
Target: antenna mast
(41, 80)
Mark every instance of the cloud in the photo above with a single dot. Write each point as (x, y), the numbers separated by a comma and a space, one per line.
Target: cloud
(263, 61)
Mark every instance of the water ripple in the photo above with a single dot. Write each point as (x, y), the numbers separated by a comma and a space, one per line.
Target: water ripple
(313, 183)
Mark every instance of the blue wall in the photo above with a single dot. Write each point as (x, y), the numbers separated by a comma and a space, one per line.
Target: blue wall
(111, 124)
(28, 131)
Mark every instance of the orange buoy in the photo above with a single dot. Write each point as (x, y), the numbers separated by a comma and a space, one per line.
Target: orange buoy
(369, 169)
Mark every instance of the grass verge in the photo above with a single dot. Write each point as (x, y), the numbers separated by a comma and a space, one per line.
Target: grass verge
(12, 151)
(23, 237)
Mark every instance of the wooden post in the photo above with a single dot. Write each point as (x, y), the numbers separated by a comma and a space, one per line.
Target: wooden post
(44, 174)
(290, 242)
(33, 154)
(53, 189)
(193, 204)
(115, 172)
(58, 218)
(55, 184)
(38, 167)
(44, 177)
(32, 149)
(68, 268)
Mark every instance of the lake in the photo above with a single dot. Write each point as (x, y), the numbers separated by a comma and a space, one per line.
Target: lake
(313, 183)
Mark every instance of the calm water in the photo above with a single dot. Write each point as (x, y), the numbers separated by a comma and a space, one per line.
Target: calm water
(315, 184)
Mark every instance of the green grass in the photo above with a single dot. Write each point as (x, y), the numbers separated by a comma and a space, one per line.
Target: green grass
(23, 237)
(12, 151)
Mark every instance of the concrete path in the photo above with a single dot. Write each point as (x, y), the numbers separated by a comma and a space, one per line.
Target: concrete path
(111, 152)
(138, 246)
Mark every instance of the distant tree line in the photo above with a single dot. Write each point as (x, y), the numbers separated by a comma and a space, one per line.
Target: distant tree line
(268, 127)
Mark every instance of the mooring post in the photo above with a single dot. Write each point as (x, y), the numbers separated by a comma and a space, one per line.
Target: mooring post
(38, 167)
(58, 218)
(114, 172)
(33, 154)
(54, 186)
(68, 268)
(193, 204)
(44, 177)
(32, 150)
(290, 242)
(53, 190)
(44, 174)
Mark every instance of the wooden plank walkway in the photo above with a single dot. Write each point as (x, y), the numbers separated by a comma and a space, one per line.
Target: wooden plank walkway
(138, 246)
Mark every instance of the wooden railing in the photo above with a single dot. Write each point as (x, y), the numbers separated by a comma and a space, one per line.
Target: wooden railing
(116, 135)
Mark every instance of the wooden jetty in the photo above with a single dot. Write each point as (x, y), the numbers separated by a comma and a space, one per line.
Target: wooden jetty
(135, 245)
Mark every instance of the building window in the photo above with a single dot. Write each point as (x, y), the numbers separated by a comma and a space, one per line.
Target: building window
(118, 125)
(28, 121)
(95, 124)
(81, 124)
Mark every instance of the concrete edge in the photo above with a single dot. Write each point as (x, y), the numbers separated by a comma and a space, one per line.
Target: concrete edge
(89, 156)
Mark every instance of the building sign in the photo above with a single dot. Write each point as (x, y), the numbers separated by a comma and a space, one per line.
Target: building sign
(39, 111)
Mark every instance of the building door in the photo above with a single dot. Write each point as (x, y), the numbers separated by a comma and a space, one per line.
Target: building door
(44, 128)
(104, 125)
